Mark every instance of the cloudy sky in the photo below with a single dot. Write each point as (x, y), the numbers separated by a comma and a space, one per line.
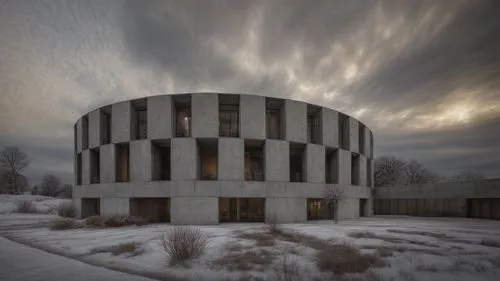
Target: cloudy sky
(423, 75)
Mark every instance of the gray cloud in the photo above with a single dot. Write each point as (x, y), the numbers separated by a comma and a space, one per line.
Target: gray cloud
(423, 75)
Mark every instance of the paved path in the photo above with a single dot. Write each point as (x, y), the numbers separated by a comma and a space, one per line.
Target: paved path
(23, 263)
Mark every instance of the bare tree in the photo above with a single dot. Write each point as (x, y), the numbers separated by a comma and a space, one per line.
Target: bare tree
(468, 176)
(50, 186)
(333, 196)
(13, 161)
(415, 173)
(389, 171)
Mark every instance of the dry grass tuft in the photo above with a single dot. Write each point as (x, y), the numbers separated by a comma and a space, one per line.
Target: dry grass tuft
(261, 239)
(113, 221)
(490, 243)
(133, 248)
(287, 270)
(183, 243)
(254, 259)
(421, 233)
(385, 252)
(343, 258)
(65, 224)
(390, 239)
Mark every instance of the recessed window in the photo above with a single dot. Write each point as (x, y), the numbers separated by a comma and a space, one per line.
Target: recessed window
(182, 113)
(344, 131)
(85, 132)
(105, 125)
(161, 160)
(275, 128)
(331, 166)
(95, 166)
(229, 111)
(242, 209)
(355, 169)
(208, 160)
(317, 209)
(313, 124)
(139, 119)
(368, 173)
(297, 162)
(154, 210)
(361, 138)
(254, 160)
(122, 162)
(79, 169)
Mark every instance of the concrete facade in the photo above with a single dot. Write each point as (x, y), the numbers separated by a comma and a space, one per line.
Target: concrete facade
(193, 199)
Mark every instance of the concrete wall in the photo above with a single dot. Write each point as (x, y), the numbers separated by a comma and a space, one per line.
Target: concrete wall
(94, 128)
(315, 163)
(231, 159)
(140, 160)
(194, 210)
(107, 163)
(362, 170)
(183, 159)
(79, 136)
(114, 206)
(159, 117)
(330, 124)
(276, 160)
(354, 134)
(295, 121)
(86, 167)
(286, 210)
(344, 167)
(205, 115)
(253, 109)
(120, 122)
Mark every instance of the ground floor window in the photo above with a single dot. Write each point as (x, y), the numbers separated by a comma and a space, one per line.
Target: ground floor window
(90, 207)
(317, 209)
(151, 209)
(242, 209)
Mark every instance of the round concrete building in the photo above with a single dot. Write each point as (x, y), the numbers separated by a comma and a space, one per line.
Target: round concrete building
(209, 158)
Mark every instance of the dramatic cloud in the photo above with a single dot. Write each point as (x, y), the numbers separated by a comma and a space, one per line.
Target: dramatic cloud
(423, 75)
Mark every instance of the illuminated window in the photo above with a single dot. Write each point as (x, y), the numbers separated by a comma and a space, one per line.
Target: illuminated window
(208, 152)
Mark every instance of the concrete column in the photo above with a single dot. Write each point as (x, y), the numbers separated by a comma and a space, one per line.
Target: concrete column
(315, 163)
(114, 206)
(194, 210)
(140, 160)
(354, 134)
(286, 210)
(367, 142)
(94, 128)
(344, 167)
(205, 115)
(277, 160)
(184, 159)
(86, 167)
(252, 117)
(120, 122)
(160, 117)
(79, 136)
(107, 163)
(330, 123)
(231, 159)
(295, 121)
(362, 170)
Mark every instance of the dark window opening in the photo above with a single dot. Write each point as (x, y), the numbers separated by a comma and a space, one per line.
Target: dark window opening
(85, 132)
(90, 207)
(297, 164)
(161, 160)
(229, 111)
(182, 113)
(363, 207)
(355, 169)
(208, 160)
(344, 131)
(368, 173)
(153, 210)
(254, 160)
(331, 166)
(317, 209)
(242, 209)
(122, 162)
(74, 139)
(361, 138)
(313, 124)
(95, 175)
(79, 169)
(139, 119)
(106, 125)
(275, 128)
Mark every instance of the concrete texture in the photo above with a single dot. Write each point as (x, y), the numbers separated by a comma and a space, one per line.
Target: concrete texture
(253, 108)
(194, 201)
(231, 159)
(295, 121)
(277, 156)
(205, 115)
(120, 122)
(159, 117)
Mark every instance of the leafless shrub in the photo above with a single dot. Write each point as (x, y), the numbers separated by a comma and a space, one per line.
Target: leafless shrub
(66, 210)
(273, 225)
(25, 206)
(133, 248)
(490, 243)
(183, 243)
(113, 221)
(362, 234)
(342, 258)
(385, 252)
(333, 197)
(65, 224)
(287, 270)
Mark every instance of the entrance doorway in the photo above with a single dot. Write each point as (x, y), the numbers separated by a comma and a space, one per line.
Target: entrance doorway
(363, 207)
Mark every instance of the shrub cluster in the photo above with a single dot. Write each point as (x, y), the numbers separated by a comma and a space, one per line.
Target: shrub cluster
(183, 243)
(66, 210)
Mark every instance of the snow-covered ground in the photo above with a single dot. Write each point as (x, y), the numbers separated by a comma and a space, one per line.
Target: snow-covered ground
(43, 204)
(415, 248)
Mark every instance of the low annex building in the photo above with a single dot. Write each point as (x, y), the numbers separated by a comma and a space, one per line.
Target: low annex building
(207, 158)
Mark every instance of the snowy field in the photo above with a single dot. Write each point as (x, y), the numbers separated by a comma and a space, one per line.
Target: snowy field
(43, 204)
(412, 248)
